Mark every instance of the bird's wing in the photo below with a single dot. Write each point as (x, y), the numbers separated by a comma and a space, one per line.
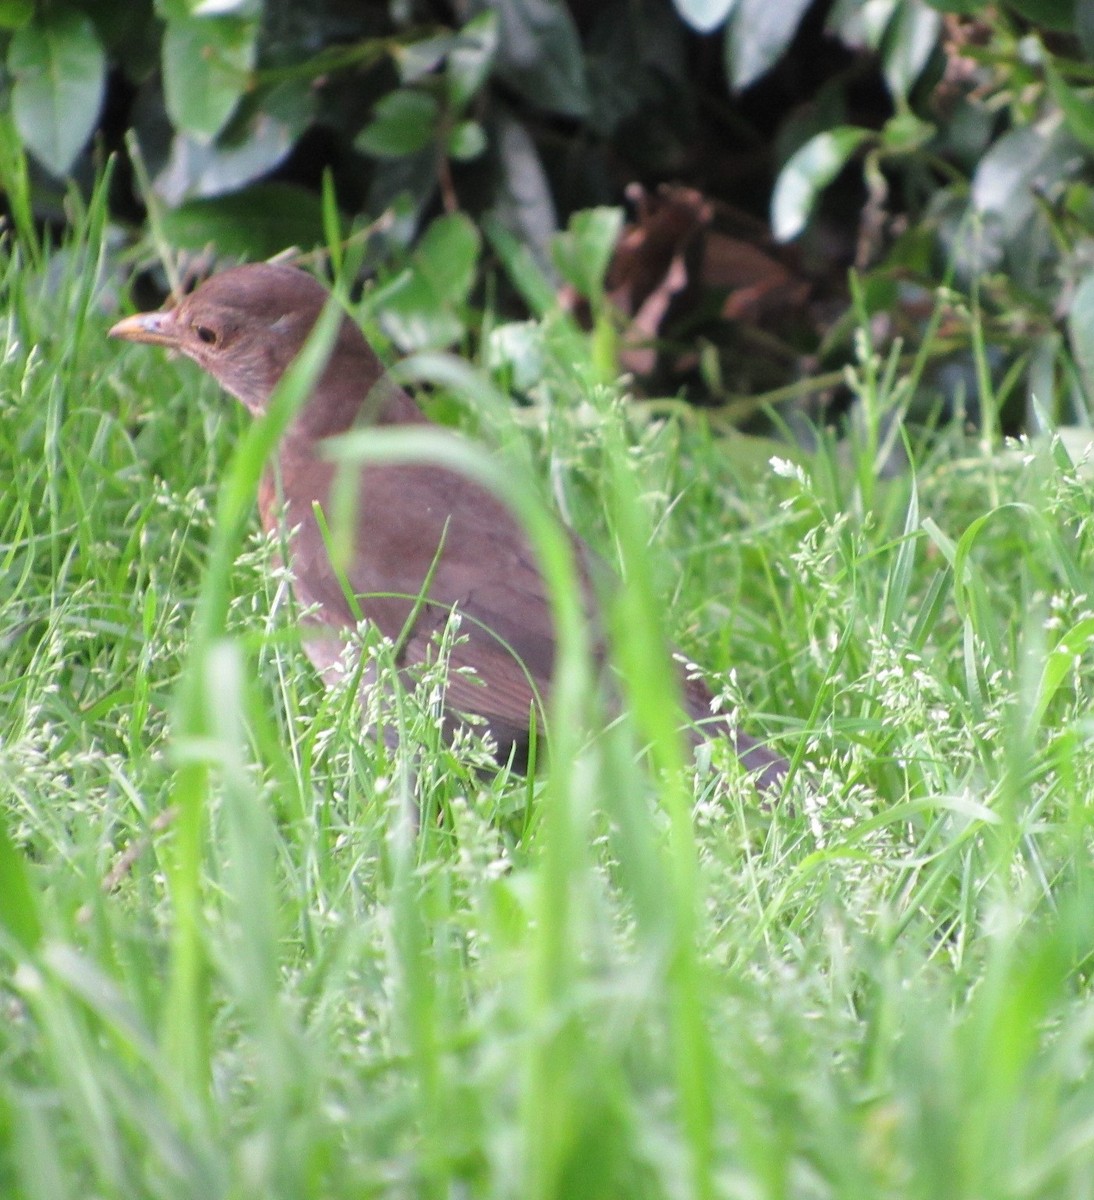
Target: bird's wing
(412, 524)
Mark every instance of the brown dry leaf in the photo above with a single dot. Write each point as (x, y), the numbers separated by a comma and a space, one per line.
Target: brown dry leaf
(757, 283)
(671, 252)
(652, 265)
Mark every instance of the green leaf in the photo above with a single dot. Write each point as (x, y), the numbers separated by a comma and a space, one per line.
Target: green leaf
(181, 10)
(1059, 664)
(471, 58)
(466, 141)
(516, 351)
(524, 203)
(1078, 108)
(1058, 15)
(256, 222)
(704, 16)
(419, 309)
(447, 255)
(14, 14)
(965, 7)
(411, 318)
(583, 253)
(757, 36)
(539, 55)
(225, 8)
(861, 25)
(904, 132)
(59, 68)
(521, 266)
(18, 899)
(910, 40)
(405, 186)
(808, 171)
(1005, 177)
(1080, 328)
(16, 187)
(207, 64)
(262, 132)
(1084, 29)
(403, 122)
(418, 59)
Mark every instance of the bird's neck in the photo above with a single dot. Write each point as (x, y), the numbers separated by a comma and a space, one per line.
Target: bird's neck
(354, 391)
(339, 405)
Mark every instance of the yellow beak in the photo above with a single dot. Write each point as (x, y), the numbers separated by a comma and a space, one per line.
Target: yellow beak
(155, 328)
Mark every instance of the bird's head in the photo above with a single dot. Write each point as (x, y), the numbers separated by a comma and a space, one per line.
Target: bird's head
(245, 326)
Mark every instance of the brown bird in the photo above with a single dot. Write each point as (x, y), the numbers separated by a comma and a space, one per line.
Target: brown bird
(245, 326)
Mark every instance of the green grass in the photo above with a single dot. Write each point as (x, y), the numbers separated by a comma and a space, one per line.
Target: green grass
(624, 978)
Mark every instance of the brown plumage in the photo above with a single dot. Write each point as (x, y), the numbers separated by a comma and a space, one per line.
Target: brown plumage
(245, 326)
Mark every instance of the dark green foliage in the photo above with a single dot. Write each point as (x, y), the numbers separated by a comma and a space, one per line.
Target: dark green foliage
(925, 144)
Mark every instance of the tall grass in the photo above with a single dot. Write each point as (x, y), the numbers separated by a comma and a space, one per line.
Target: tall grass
(624, 977)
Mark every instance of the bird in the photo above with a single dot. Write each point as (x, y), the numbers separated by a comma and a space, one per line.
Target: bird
(426, 540)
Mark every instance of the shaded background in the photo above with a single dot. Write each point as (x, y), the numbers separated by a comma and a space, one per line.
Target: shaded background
(749, 154)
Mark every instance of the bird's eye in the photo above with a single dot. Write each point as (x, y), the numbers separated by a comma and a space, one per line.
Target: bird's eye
(206, 335)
